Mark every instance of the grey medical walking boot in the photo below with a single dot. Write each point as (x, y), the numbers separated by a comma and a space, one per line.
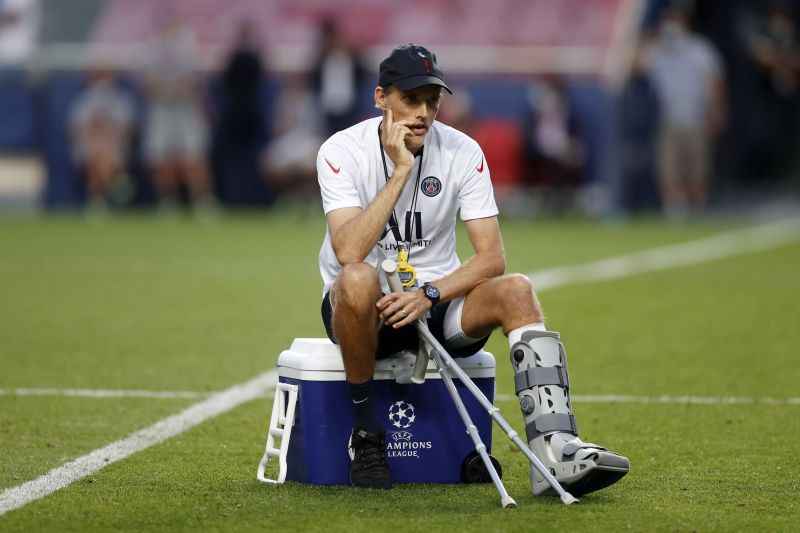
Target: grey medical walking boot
(542, 386)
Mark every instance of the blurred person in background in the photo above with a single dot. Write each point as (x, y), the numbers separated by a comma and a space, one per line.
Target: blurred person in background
(686, 71)
(774, 49)
(459, 112)
(242, 129)
(553, 146)
(242, 80)
(336, 77)
(639, 115)
(19, 29)
(101, 126)
(176, 133)
(288, 163)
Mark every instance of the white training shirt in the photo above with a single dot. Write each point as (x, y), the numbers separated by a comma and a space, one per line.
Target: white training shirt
(454, 177)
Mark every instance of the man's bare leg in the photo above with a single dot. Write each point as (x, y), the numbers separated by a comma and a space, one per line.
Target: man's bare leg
(196, 175)
(355, 319)
(165, 179)
(697, 194)
(542, 385)
(506, 301)
(355, 326)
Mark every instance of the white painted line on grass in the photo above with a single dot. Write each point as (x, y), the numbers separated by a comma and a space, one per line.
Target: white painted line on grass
(190, 417)
(105, 393)
(109, 393)
(580, 398)
(754, 239)
(684, 400)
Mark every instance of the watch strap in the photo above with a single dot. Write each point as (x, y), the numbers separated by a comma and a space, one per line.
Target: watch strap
(435, 300)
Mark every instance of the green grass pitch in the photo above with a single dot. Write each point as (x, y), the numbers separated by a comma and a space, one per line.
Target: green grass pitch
(177, 305)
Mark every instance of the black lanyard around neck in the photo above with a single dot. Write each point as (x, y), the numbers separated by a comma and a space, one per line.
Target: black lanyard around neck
(393, 218)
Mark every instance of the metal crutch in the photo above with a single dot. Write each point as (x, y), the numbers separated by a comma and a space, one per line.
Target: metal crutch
(444, 361)
(390, 269)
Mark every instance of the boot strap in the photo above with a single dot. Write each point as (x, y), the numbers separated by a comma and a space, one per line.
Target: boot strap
(548, 422)
(537, 376)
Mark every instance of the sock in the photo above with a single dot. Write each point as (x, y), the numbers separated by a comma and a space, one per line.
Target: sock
(515, 335)
(363, 407)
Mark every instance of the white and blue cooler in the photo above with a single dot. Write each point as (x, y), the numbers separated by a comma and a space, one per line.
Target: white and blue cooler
(426, 439)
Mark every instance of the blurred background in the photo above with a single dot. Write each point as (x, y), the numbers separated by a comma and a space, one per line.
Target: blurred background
(604, 107)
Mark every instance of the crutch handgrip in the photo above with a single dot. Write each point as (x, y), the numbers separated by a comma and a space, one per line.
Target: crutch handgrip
(389, 267)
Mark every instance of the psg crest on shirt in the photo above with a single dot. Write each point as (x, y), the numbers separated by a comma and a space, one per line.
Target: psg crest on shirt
(431, 186)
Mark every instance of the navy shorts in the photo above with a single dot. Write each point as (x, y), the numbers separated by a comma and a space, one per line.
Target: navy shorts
(391, 341)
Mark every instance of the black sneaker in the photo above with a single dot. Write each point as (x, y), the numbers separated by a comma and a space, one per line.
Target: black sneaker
(369, 468)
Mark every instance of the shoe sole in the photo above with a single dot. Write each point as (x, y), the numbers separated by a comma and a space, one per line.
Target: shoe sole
(599, 478)
(596, 479)
(385, 486)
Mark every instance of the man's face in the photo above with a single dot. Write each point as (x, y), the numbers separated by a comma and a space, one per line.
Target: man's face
(419, 106)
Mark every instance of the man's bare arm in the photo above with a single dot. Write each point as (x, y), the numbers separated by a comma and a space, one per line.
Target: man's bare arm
(355, 232)
(489, 260)
(717, 115)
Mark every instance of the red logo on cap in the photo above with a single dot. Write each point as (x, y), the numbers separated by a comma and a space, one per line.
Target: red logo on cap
(427, 66)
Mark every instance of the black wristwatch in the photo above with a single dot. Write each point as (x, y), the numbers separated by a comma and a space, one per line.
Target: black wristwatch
(432, 293)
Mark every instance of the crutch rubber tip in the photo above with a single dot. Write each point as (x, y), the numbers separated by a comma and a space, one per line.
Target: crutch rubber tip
(569, 499)
(416, 380)
(508, 502)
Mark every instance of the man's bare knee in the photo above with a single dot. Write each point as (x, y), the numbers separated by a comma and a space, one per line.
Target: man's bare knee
(515, 288)
(518, 283)
(357, 285)
(518, 295)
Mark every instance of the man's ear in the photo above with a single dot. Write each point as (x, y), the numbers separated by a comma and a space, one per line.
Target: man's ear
(380, 98)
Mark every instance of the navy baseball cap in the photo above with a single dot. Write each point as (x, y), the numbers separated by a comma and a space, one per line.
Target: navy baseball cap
(410, 66)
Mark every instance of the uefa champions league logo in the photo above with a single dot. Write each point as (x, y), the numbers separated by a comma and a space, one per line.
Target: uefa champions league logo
(402, 414)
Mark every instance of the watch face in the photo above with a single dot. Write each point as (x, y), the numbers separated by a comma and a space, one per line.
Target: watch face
(432, 291)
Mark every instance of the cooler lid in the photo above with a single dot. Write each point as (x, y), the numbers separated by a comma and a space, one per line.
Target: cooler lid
(320, 354)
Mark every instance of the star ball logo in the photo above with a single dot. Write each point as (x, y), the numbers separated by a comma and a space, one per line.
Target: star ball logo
(431, 186)
(402, 414)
